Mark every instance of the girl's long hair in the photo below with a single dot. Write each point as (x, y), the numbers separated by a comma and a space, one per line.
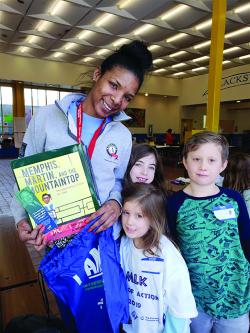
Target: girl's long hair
(237, 173)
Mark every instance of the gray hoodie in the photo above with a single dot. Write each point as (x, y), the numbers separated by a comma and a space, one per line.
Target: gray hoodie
(50, 128)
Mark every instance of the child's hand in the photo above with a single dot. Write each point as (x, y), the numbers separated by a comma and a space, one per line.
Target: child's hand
(108, 213)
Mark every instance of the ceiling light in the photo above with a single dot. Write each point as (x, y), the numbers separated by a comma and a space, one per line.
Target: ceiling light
(242, 8)
(23, 49)
(226, 62)
(198, 69)
(57, 54)
(87, 59)
(174, 11)
(102, 51)
(199, 46)
(200, 59)
(176, 54)
(120, 41)
(32, 39)
(160, 70)
(103, 19)
(124, 4)
(238, 101)
(153, 47)
(42, 25)
(179, 73)
(231, 49)
(146, 94)
(56, 8)
(69, 46)
(237, 32)
(142, 29)
(244, 57)
(179, 65)
(203, 25)
(156, 61)
(84, 34)
(173, 38)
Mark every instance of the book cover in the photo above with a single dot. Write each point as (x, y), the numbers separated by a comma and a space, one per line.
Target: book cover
(57, 189)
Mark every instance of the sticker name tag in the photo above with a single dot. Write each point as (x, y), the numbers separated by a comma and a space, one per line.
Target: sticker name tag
(224, 212)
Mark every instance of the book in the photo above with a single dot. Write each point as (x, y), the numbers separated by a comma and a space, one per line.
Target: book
(57, 189)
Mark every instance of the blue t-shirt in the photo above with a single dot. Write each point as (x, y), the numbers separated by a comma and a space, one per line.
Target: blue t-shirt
(89, 126)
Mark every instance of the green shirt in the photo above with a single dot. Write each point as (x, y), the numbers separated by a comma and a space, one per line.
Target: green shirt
(219, 270)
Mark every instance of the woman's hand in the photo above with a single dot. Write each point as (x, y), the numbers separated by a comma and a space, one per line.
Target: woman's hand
(108, 213)
(29, 236)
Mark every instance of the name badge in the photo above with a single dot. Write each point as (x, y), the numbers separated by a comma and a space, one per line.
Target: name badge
(224, 212)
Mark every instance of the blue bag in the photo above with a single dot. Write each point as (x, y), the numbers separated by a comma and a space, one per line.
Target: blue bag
(88, 282)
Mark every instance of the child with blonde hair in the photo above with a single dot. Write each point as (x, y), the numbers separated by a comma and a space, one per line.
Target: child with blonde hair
(212, 228)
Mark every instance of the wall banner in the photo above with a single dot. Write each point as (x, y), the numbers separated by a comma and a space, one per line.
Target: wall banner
(234, 80)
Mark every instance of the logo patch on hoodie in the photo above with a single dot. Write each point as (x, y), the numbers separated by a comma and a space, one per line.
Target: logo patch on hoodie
(112, 150)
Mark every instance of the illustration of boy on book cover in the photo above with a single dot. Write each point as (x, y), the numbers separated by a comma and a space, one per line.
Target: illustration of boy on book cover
(49, 206)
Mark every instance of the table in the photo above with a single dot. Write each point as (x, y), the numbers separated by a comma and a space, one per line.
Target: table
(171, 155)
(16, 267)
(20, 301)
(19, 289)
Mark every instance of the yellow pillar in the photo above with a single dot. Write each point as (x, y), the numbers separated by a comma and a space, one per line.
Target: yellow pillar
(215, 64)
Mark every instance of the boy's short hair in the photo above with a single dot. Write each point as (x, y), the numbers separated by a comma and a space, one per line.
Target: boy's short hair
(201, 138)
(46, 195)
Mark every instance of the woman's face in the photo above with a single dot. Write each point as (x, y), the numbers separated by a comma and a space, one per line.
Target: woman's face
(111, 93)
(143, 171)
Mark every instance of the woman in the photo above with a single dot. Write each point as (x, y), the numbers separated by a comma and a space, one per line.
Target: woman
(116, 82)
(95, 121)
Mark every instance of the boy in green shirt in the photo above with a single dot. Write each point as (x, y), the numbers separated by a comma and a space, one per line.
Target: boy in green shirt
(211, 225)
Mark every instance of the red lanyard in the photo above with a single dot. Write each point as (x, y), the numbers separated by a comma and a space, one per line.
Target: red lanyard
(79, 116)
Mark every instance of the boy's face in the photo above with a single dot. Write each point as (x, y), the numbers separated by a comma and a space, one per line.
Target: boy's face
(204, 164)
(46, 199)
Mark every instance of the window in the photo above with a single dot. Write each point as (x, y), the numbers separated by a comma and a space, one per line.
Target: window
(52, 95)
(204, 120)
(6, 110)
(28, 105)
(35, 97)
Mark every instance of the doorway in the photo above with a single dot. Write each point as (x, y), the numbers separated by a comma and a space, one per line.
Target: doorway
(186, 126)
